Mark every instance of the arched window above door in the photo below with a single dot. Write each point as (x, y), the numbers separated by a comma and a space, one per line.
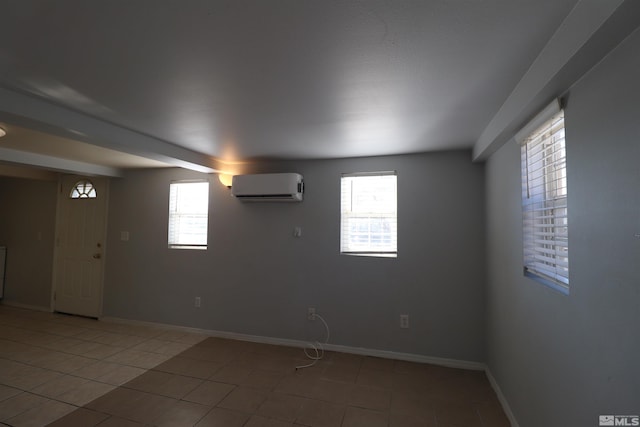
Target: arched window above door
(83, 190)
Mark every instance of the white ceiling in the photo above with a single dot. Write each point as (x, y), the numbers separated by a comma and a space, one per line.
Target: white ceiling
(210, 83)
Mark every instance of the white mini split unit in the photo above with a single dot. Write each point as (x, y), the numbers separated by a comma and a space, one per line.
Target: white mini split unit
(268, 187)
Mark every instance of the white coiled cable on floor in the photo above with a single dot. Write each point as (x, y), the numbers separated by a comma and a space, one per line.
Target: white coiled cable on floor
(317, 347)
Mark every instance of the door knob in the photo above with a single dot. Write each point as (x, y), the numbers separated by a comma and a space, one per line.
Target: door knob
(97, 256)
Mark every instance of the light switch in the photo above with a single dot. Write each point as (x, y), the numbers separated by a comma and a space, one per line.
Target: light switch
(297, 231)
(124, 236)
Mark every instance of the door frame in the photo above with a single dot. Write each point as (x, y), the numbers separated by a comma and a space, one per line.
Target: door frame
(61, 195)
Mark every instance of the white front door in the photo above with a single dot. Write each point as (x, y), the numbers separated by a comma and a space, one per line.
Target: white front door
(80, 239)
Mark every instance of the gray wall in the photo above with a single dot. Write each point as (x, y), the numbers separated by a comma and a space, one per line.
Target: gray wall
(256, 278)
(563, 360)
(27, 228)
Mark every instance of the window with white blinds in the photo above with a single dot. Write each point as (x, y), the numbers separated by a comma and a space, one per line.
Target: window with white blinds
(188, 215)
(369, 214)
(544, 204)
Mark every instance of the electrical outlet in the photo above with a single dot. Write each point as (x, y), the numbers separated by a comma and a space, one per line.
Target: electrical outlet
(197, 302)
(404, 321)
(311, 313)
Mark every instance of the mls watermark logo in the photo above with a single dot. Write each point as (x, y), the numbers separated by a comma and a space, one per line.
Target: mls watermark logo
(619, 420)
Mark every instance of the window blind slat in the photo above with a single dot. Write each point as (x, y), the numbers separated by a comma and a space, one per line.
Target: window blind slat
(369, 214)
(188, 214)
(544, 202)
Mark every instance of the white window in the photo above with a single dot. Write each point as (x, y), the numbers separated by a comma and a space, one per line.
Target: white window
(188, 214)
(369, 214)
(83, 190)
(544, 204)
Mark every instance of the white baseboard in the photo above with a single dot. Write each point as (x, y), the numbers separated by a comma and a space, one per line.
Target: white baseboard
(503, 400)
(409, 357)
(25, 306)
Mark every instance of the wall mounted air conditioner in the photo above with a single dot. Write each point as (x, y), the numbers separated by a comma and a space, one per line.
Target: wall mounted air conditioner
(268, 187)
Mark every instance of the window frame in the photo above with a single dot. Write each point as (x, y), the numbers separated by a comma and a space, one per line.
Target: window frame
(173, 215)
(545, 224)
(350, 215)
(83, 190)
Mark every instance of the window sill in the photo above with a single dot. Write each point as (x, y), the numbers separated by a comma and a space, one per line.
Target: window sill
(558, 287)
(371, 254)
(199, 248)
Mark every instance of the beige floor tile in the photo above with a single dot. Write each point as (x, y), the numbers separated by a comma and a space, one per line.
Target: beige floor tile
(343, 359)
(69, 364)
(85, 393)
(220, 417)
(41, 415)
(297, 385)
(341, 373)
(255, 384)
(378, 399)
(492, 415)
(378, 364)
(412, 420)
(320, 414)
(97, 369)
(139, 359)
(411, 403)
(190, 367)
(375, 378)
(331, 391)
(165, 384)
(280, 365)
(169, 348)
(62, 343)
(416, 383)
(34, 355)
(181, 337)
(89, 335)
(80, 418)
(281, 406)
(18, 404)
(182, 414)
(458, 414)
(244, 399)
(258, 421)
(30, 377)
(62, 329)
(132, 405)
(209, 393)
(7, 392)
(149, 345)
(120, 375)
(118, 340)
(12, 333)
(59, 386)
(404, 367)
(358, 417)
(47, 357)
(12, 350)
(262, 379)
(42, 339)
(116, 402)
(120, 422)
(213, 354)
(231, 374)
(94, 350)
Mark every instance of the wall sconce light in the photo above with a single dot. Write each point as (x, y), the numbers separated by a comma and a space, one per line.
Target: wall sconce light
(225, 179)
(2, 132)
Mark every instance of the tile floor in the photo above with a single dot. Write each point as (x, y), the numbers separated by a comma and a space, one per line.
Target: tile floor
(66, 371)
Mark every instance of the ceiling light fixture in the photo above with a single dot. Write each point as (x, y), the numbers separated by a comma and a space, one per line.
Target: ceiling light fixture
(2, 132)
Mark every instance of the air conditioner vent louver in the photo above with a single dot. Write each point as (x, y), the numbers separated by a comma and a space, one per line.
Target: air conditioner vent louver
(269, 187)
